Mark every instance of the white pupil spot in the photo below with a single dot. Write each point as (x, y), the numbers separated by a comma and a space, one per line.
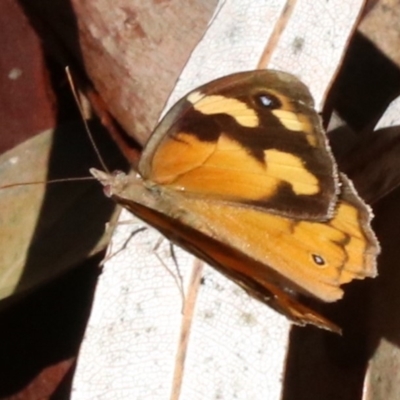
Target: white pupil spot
(318, 259)
(265, 100)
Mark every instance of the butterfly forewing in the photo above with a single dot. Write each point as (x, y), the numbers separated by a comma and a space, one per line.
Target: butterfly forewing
(251, 138)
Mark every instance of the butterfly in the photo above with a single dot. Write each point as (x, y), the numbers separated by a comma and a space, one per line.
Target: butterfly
(239, 172)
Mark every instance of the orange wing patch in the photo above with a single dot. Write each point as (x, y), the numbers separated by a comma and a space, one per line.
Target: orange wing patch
(286, 167)
(209, 105)
(197, 167)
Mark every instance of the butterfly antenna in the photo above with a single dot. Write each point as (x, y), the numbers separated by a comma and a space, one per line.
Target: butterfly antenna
(11, 185)
(83, 115)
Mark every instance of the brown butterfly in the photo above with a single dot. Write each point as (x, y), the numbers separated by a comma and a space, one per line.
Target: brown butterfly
(239, 172)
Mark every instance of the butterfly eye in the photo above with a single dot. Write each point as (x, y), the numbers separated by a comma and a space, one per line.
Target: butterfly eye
(318, 259)
(268, 100)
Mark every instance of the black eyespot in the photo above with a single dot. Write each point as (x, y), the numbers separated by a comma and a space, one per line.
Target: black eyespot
(268, 100)
(318, 259)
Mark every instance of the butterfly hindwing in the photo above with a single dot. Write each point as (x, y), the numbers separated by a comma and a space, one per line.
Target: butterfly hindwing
(311, 257)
